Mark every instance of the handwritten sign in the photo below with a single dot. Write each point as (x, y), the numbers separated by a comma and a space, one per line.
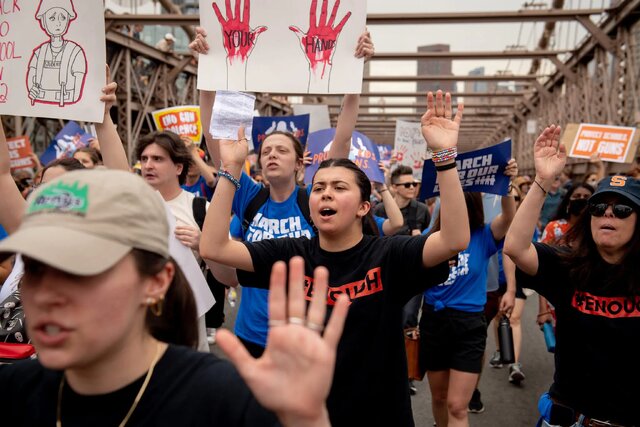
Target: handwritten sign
(363, 153)
(410, 146)
(610, 143)
(303, 46)
(298, 126)
(20, 153)
(184, 121)
(49, 65)
(479, 170)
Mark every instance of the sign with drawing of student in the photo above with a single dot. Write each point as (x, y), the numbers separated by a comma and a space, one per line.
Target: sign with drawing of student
(410, 146)
(363, 153)
(183, 121)
(480, 170)
(298, 126)
(52, 59)
(282, 46)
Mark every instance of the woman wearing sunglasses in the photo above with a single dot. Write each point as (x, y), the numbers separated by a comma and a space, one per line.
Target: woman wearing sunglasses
(595, 288)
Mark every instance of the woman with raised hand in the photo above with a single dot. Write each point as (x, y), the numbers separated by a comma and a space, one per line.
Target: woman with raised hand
(594, 285)
(112, 317)
(377, 274)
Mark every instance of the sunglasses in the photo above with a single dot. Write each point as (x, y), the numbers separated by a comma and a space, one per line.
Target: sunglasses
(408, 184)
(619, 210)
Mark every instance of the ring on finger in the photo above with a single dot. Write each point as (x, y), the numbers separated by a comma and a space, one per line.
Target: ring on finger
(315, 327)
(296, 320)
(276, 322)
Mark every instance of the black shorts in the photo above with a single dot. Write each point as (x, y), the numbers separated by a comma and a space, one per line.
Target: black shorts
(452, 339)
(492, 307)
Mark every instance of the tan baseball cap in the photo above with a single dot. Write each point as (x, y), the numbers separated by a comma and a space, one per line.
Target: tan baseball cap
(85, 221)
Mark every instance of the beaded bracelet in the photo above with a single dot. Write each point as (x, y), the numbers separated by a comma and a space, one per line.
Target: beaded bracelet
(444, 155)
(225, 174)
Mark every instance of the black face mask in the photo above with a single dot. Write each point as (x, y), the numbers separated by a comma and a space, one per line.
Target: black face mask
(577, 206)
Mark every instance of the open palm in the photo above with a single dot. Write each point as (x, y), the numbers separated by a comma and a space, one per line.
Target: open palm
(234, 152)
(438, 129)
(548, 154)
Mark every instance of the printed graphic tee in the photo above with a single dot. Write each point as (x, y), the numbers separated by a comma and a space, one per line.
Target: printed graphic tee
(379, 275)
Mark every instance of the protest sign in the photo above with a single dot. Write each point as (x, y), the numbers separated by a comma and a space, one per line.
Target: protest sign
(363, 153)
(231, 110)
(411, 148)
(385, 152)
(52, 56)
(184, 121)
(611, 143)
(298, 126)
(479, 170)
(65, 143)
(20, 153)
(319, 115)
(282, 46)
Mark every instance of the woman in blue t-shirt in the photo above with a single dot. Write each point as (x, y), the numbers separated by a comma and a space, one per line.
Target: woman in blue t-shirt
(453, 328)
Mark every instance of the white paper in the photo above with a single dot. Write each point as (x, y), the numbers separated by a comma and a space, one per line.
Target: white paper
(11, 284)
(230, 111)
(272, 46)
(319, 115)
(410, 146)
(40, 58)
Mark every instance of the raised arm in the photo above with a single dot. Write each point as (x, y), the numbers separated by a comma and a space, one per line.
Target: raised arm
(501, 223)
(209, 173)
(441, 133)
(215, 244)
(13, 204)
(549, 157)
(113, 154)
(395, 220)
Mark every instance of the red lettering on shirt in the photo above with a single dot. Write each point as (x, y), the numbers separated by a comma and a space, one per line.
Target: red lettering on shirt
(611, 307)
(371, 284)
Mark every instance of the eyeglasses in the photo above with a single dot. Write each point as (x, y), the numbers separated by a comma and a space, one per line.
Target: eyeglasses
(619, 210)
(408, 184)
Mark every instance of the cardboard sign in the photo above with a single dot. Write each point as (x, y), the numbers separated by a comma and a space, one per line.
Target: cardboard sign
(411, 148)
(298, 126)
(20, 152)
(303, 46)
(479, 170)
(363, 153)
(65, 143)
(611, 143)
(52, 59)
(184, 121)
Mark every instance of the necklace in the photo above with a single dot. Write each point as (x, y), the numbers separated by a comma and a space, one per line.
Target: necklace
(135, 401)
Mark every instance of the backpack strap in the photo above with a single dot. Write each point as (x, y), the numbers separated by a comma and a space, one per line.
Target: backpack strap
(199, 206)
(412, 216)
(252, 208)
(303, 204)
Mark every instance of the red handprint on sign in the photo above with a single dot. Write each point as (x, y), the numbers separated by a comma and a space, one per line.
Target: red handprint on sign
(238, 38)
(319, 43)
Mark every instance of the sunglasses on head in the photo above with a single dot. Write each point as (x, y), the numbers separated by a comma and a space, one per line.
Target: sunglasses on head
(619, 210)
(408, 184)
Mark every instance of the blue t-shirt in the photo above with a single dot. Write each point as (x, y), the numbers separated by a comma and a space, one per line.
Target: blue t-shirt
(273, 220)
(3, 233)
(235, 228)
(466, 287)
(200, 188)
(379, 221)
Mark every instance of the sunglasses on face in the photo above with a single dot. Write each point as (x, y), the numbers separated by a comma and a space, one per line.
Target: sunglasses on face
(408, 184)
(619, 210)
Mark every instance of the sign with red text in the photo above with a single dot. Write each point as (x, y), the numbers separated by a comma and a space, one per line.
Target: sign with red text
(52, 59)
(20, 153)
(184, 121)
(610, 143)
(282, 46)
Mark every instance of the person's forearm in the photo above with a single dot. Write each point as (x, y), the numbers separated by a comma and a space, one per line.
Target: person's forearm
(321, 420)
(345, 127)
(396, 220)
(454, 220)
(509, 269)
(500, 224)
(223, 274)
(520, 233)
(207, 98)
(113, 154)
(13, 204)
(206, 171)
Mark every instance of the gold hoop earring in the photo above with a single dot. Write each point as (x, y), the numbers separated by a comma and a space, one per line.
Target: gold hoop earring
(156, 307)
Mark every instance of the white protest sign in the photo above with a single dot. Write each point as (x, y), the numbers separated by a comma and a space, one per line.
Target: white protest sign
(52, 59)
(230, 111)
(410, 146)
(282, 46)
(318, 115)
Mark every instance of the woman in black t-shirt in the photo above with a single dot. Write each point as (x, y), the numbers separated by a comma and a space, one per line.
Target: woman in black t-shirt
(378, 274)
(594, 286)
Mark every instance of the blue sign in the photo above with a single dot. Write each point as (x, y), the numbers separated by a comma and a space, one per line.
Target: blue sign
(263, 126)
(65, 143)
(363, 153)
(480, 170)
(385, 152)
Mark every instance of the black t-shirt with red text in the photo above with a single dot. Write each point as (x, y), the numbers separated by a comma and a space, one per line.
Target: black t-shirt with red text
(379, 274)
(597, 339)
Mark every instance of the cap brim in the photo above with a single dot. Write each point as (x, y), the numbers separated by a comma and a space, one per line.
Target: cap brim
(66, 249)
(626, 195)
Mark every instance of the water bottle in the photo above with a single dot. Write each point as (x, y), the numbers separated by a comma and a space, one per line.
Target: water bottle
(505, 336)
(549, 337)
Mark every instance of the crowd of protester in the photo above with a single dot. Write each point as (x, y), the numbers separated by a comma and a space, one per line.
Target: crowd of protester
(331, 275)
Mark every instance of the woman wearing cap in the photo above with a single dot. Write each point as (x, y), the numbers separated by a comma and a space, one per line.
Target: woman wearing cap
(594, 286)
(107, 306)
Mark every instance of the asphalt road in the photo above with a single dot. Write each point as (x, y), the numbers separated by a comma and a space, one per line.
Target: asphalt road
(505, 404)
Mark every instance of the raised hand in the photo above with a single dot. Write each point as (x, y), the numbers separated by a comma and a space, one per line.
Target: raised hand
(512, 169)
(438, 129)
(238, 38)
(199, 44)
(549, 155)
(294, 375)
(234, 153)
(365, 48)
(319, 42)
(109, 93)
